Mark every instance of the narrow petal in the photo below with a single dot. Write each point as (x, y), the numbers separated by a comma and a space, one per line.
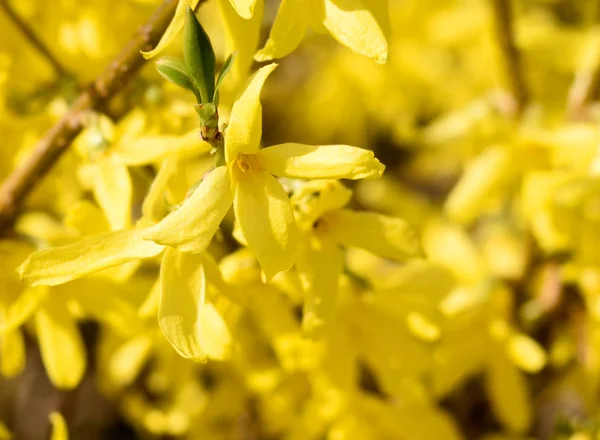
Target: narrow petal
(50, 267)
(113, 191)
(266, 219)
(191, 227)
(149, 307)
(12, 350)
(173, 29)
(481, 183)
(22, 308)
(245, 123)
(287, 32)
(244, 7)
(389, 237)
(130, 127)
(153, 149)
(154, 207)
(59, 427)
(126, 362)
(354, 25)
(508, 393)
(319, 269)
(195, 329)
(298, 161)
(100, 300)
(87, 218)
(61, 346)
(241, 36)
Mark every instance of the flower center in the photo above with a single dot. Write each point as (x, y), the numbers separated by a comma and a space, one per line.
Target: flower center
(247, 162)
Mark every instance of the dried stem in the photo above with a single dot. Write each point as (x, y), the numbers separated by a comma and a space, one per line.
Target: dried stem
(506, 39)
(56, 141)
(34, 39)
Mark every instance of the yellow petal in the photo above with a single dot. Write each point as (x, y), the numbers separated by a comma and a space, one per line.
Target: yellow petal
(241, 36)
(244, 7)
(191, 227)
(244, 131)
(130, 127)
(61, 346)
(152, 149)
(526, 353)
(113, 191)
(389, 237)
(22, 308)
(59, 427)
(508, 394)
(298, 161)
(154, 207)
(44, 229)
(4, 432)
(287, 32)
(86, 218)
(319, 269)
(173, 29)
(100, 300)
(58, 265)
(354, 25)
(12, 350)
(479, 184)
(451, 247)
(195, 329)
(149, 307)
(266, 219)
(127, 361)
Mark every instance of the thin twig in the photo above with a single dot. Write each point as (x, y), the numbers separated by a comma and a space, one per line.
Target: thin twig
(505, 33)
(33, 38)
(56, 141)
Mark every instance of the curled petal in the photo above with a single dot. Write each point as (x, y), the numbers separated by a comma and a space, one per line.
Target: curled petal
(191, 227)
(244, 7)
(266, 219)
(298, 161)
(173, 29)
(241, 36)
(195, 329)
(287, 32)
(50, 267)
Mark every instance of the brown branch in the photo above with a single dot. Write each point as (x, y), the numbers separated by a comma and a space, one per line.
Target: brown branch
(24, 178)
(33, 38)
(505, 34)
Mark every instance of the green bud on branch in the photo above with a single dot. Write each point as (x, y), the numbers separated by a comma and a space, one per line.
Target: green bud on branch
(199, 58)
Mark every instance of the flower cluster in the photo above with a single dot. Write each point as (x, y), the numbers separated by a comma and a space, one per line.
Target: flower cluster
(250, 279)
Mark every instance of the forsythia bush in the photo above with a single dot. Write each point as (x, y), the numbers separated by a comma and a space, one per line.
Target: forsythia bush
(403, 244)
